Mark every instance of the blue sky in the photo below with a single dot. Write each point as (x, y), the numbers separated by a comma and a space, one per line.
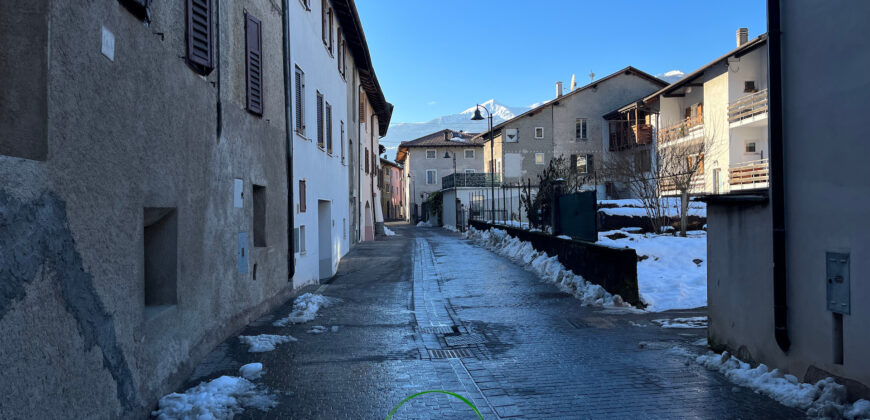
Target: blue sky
(437, 57)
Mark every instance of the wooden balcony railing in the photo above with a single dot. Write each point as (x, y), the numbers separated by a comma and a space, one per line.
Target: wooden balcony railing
(748, 106)
(625, 135)
(669, 188)
(747, 173)
(681, 129)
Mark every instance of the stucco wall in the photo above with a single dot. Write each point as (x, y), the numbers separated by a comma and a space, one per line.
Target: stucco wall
(417, 164)
(123, 135)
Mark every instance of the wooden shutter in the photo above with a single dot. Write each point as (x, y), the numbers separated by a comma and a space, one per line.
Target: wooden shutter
(300, 123)
(254, 58)
(319, 120)
(323, 24)
(302, 197)
(199, 35)
(328, 128)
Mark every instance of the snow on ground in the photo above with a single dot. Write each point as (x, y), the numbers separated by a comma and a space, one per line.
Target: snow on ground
(635, 207)
(251, 371)
(451, 228)
(546, 267)
(317, 329)
(264, 342)
(305, 309)
(221, 398)
(389, 232)
(673, 271)
(824, 399)
(424, 224)
(693, 322)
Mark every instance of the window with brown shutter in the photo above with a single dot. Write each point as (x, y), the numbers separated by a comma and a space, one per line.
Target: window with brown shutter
(200, 42)
(300, 101)
(254, 58)
(324, 26)
(331, 28)
(302, 198)
(328, 128)
(340, 53)
(319, 120)
(367, 160)
(139, 8)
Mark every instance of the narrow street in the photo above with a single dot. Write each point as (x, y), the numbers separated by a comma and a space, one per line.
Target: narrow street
(526, 350)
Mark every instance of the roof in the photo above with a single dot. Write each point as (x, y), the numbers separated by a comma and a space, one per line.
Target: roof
(390, 163)
(441, 138)
(348, 19)
(739, 51)
(593, 84)
(616, 113)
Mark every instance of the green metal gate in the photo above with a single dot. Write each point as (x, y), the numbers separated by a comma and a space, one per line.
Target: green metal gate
(578, 215)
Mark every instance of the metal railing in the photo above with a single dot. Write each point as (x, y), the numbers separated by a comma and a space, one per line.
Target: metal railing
(482, 179)
(747, 173)
(681, 129)
(748, 106)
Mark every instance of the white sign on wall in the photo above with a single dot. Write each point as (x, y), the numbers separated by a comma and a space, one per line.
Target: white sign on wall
(511, 135)
(107, 44)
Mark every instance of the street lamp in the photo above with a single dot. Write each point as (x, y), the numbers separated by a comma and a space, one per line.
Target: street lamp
(478, 117)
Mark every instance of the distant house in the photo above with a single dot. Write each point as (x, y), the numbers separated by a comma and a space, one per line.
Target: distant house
(392, 186)
(789, 260)
(571, 125)
(724, 104)
(428, 159)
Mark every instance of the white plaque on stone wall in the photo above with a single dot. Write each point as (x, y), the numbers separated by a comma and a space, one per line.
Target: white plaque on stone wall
(511, 135)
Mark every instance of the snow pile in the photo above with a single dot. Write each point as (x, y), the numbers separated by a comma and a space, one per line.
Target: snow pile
(451, 228)
(824, 399)
(221, 398)
(693, 322)
(317, 329)
(305, 309)
(251, 371)
(636, 208)
(424, 224)
(547, 267)
(264, 342)
(389, 232)
(672, 273)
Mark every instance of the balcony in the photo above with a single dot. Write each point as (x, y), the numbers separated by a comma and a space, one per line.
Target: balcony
(471, 180)
(749, 175)
(748, 107)
(668, 187)
(627, 134)
(684, 128)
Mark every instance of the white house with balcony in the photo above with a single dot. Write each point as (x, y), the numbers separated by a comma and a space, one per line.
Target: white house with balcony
(725, 105)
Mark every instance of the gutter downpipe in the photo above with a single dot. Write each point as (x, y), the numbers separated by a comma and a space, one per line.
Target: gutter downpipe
(217, 48)
(777, 178)
(288, 128)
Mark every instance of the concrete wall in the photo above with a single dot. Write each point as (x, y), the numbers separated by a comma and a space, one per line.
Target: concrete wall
(519, 157)
(826, 210)
(418, 164)
(124, 135)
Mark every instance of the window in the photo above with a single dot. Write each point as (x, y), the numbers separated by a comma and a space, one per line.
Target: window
(469, 153)
(750, 146)
(302, 197)
(254, 64)
(328, 128)
(584, 164)
(300, 102)
(200, 39)
(331, 20)
(344, 227)
(306, 4)
(431, 177)
(160, 245)
(259, 216)
(539, 158)
(301, 247)
(320, 120)
(642, 160)
(539, 132)
(367, 160)
(362, 108)
(342, 53)
(324, 23)
(341, 139)
(430, 154)
(580, 131)
(469, 171)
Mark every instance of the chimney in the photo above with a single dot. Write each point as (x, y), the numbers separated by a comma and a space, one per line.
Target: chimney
(742, 36)
(558, 89)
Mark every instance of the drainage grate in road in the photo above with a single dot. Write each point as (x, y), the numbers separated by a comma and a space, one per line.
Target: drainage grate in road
(464, 339)
(448, 329)
(449, 354)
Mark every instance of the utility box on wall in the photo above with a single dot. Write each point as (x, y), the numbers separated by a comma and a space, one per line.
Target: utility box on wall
(838, 293)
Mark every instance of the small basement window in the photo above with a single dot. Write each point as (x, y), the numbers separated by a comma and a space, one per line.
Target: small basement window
(259, 216)
(160, 263)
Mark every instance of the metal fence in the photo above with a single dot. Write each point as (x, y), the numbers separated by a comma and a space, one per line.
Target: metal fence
(500, 204)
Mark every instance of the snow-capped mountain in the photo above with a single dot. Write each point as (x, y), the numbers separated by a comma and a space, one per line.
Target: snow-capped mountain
(671, 76)
(404, 131)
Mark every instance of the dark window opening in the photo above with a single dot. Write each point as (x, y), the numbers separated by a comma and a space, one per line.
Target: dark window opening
(160, 259)
(259, 216)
